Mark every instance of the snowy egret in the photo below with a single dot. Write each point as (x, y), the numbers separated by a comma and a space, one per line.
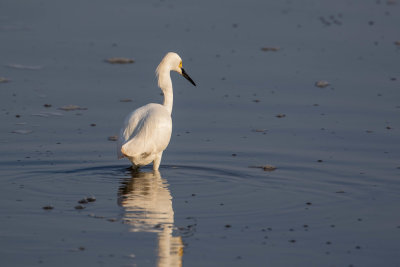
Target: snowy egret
(147, 130)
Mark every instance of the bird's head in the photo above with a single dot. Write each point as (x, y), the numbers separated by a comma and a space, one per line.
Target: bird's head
(173, 61)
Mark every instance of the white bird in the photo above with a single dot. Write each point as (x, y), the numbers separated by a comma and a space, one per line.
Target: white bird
(147, 130)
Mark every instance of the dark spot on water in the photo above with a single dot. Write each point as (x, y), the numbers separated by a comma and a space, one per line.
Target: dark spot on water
(340, 192)
(112, 138)
(193, 195)
(18, 116)
(91, 199)
(47, 105)
(120, 60)
(332, 225)
(309, 203)
(228, 226)
(93, 124)
(388, 127)
(292, 241)
(81, 248)
(269, 168)
(320, 160)
(359, 219)
(234, 155)
(358, 247)
(280, 115)
(270, 49)
(79, 207)
(83, 201)
(112, 220)
(328, 242)
(48, 207)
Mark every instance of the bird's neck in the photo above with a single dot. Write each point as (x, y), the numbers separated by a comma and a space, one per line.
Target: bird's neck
(168, 100)
(165, 83)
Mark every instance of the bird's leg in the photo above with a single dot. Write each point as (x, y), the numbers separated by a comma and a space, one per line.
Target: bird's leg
(157, 161)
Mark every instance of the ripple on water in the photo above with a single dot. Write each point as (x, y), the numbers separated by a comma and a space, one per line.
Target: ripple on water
(209, 191)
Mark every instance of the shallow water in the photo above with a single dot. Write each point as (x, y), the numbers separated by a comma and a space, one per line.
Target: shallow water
(333, 199)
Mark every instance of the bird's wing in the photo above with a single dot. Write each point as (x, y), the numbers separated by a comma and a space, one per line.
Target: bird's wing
(147, 130)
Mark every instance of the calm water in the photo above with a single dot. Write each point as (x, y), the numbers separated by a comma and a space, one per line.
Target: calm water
(333, 199)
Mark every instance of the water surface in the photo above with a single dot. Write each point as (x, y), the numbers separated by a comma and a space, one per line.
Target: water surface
(333, 199)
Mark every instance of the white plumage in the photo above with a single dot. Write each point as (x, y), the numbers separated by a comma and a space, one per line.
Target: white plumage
(147, 130)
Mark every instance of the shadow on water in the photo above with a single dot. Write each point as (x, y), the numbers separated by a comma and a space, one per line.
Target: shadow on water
(147, 204)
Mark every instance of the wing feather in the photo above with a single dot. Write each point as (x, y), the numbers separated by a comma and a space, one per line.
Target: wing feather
(146, 131)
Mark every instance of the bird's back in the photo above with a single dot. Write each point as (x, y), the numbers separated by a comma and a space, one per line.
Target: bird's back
(146, 132)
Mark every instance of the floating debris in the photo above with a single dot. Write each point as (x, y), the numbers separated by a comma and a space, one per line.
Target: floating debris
(119, 60)
(125, 100)
(24, 67)
(265, 167)
(268, 49)
(48, 207)
(72, 107)
(322, 84)
(93, 124)
(112, 138)
(47, 105)
(4, 80)
(79, 207)
(280, 115)
(22, 131)
(91, 199)
(83, 201)
(259, 130)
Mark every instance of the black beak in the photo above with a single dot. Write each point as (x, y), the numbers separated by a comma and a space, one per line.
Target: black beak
(184, 74)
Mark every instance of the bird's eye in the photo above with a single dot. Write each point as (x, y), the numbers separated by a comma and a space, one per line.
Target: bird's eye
(180, 64)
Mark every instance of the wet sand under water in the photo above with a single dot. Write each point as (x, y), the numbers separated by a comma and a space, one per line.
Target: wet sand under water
(331, 201)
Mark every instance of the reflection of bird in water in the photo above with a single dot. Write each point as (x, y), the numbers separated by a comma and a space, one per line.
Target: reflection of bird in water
(148, 208)
(147, 130)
